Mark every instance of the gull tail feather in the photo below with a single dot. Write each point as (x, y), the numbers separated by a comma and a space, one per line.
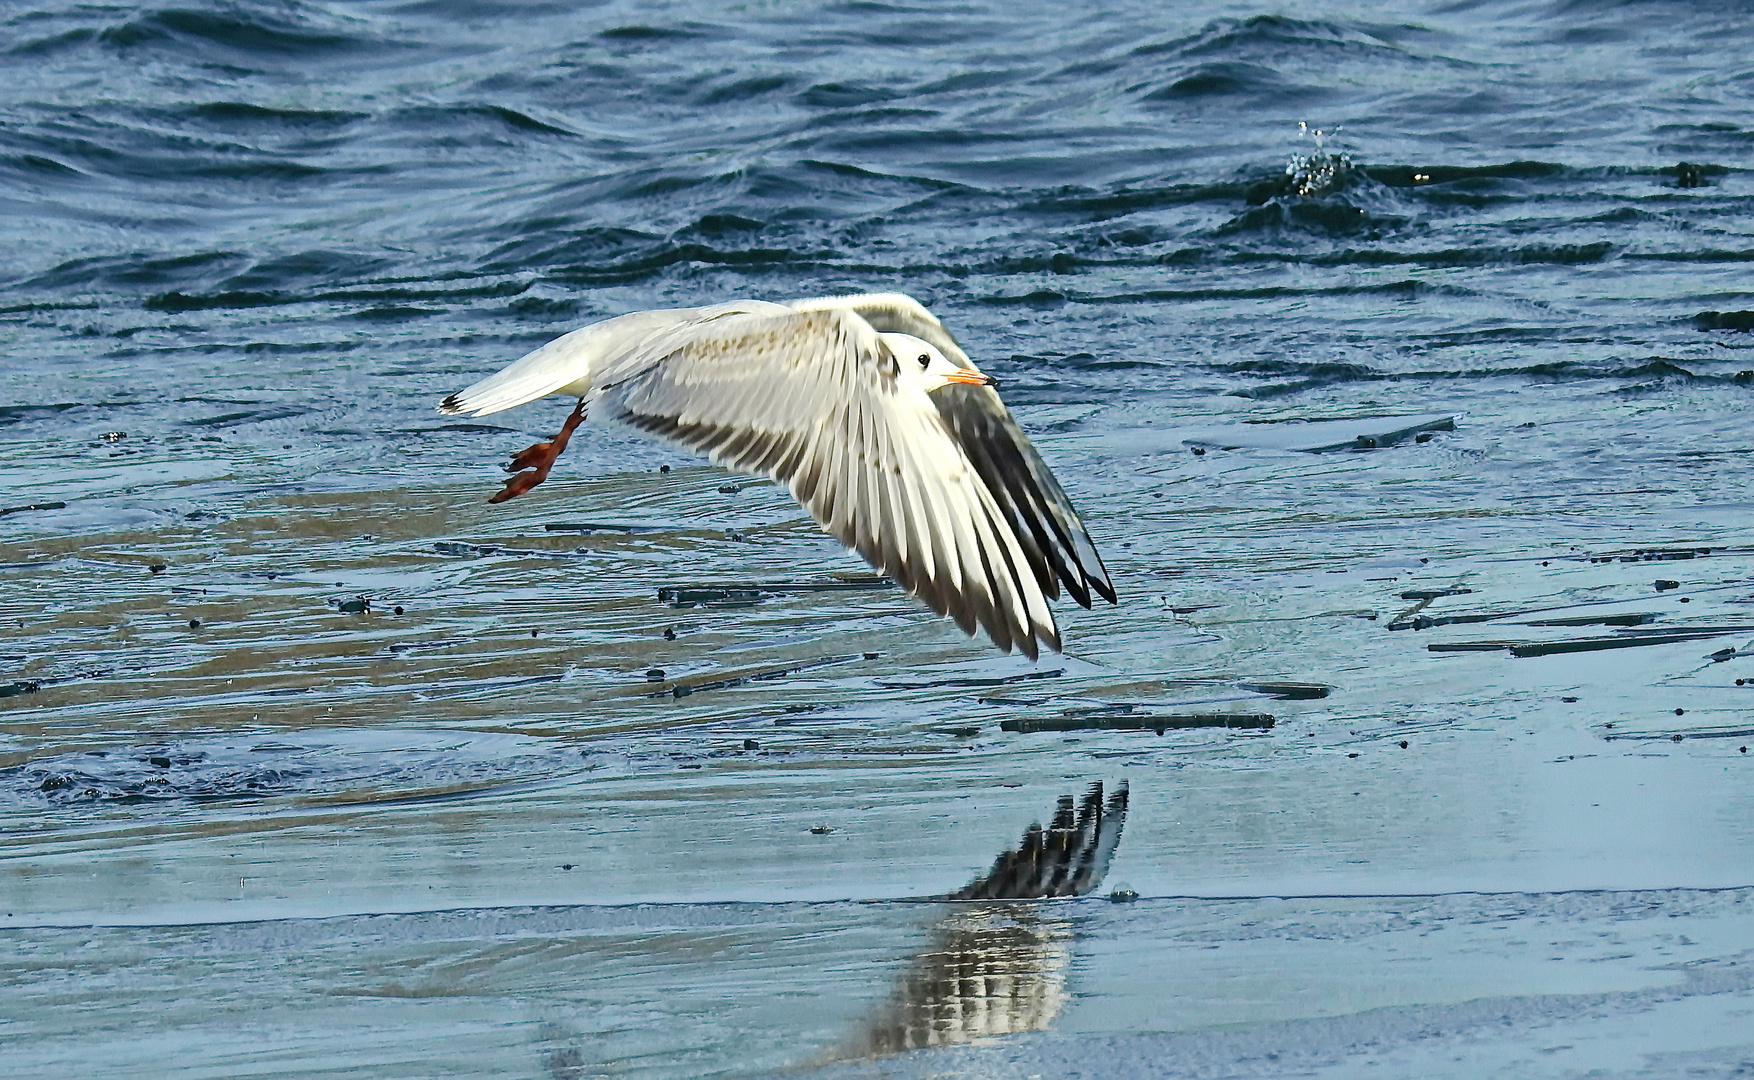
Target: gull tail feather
(566, 363)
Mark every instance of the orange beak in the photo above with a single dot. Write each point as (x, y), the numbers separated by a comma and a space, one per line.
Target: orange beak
(971, 377)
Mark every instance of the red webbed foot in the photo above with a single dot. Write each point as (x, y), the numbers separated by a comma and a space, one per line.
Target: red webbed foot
(537, 460)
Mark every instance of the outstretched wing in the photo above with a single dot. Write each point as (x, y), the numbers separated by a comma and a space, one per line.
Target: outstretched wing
(813, 399)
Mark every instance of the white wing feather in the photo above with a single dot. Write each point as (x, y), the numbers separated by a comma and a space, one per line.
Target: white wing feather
(814, 400)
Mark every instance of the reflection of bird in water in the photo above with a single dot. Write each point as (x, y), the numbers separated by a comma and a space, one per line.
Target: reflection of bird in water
(872, 414)
(1068, 859)
(1000, 969)
(990, 970)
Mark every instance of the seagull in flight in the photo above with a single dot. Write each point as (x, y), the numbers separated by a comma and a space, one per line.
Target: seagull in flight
(866, 407)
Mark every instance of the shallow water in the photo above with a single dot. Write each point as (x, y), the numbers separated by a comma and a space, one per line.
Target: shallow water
(311, 762)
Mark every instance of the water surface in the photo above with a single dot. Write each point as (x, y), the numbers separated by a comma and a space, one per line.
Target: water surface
(313, 763)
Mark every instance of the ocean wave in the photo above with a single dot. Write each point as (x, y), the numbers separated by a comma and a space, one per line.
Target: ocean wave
(1655, 374)
(1273, 33)
(1233, 78)
(252, 118)
(244, 31)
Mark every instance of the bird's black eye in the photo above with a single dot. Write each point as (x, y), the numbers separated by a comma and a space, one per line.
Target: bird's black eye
(925, 361)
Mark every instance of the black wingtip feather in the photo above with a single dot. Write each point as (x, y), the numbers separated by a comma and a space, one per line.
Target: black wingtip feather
(1025, 489)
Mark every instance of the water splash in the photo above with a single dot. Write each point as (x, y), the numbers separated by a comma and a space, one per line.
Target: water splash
(1319, 173)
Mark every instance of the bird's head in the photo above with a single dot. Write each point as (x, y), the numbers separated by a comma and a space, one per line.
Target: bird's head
(921, 363)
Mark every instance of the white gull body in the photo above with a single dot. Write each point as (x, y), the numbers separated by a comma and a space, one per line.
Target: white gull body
(867, 408)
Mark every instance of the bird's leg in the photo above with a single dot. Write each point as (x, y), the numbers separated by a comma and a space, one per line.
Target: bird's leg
(538, 459)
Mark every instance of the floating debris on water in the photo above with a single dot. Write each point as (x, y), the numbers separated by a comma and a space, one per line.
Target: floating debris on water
(721, 595)
(682, 689)
(1550, 648)
(1405, 619)
(975, 680)
(1433, 594)
(1626, 639)
(454, 547)
(1631, 618)
(680, 596)
(602, 527)
(1653, 555)
(1678, 736)
(711, 596)
(1290, 690)
(404, 647)
(1700, 629)
(1319, 436)
(1159, 723)
(1426, 622)
(32, 506)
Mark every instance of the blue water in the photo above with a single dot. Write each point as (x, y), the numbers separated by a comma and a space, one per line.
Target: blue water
(245, 248)
(352, 208)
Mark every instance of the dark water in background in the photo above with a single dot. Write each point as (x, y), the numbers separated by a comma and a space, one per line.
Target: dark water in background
(332, 214)
(253, 244)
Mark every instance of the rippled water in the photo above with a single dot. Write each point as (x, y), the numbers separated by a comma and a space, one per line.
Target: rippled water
(313, 763)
